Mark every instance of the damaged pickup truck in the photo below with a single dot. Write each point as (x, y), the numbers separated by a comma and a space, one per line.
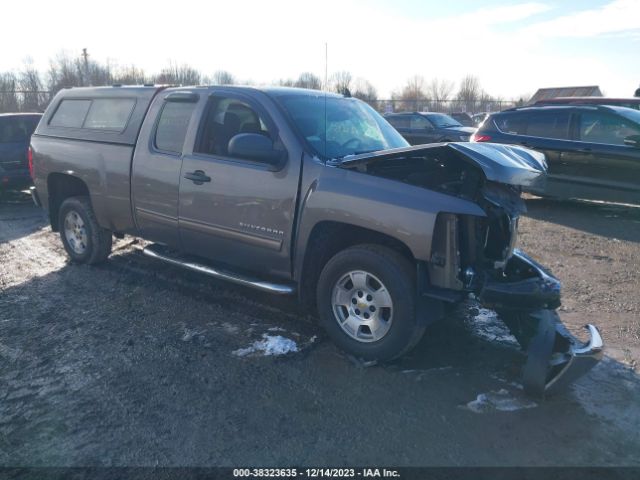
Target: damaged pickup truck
(295, 191)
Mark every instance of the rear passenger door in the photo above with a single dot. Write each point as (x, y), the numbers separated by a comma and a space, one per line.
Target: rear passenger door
(544, 131)
(155, 176)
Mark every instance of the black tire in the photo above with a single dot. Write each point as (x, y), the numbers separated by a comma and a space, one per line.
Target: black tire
(98, 239)
(397, 274)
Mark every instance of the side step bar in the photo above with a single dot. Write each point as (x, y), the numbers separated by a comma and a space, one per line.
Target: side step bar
(169, 256)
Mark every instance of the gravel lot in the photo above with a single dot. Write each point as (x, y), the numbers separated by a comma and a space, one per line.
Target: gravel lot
(137, 363)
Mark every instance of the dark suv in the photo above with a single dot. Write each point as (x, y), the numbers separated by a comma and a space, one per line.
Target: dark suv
(593, 152)
(15, 133)
(429, 127)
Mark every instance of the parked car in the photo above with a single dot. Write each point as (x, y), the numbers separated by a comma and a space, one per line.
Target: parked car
(593, 152)
(294, 191)
(478, 118)
(419, 128)
(633, 102)
(15, 133)
(465, 119)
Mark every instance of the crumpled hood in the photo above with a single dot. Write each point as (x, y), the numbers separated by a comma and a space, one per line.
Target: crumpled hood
(508, 164)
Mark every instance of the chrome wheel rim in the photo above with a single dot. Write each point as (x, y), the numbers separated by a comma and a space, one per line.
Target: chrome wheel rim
(362, 306)
(75, 232)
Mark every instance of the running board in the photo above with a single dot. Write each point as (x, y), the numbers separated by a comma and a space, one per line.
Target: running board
(168, 256)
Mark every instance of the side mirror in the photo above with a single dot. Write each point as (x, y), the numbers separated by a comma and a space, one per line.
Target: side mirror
(632, 141)
(256, 147)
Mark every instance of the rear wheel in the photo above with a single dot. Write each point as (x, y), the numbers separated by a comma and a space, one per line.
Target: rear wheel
(366, 302)
(83, 238)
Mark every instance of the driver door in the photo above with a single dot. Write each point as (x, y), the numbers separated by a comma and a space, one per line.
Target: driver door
(237, 211)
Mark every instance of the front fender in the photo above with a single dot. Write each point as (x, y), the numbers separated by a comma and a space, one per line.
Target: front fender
(404, 212)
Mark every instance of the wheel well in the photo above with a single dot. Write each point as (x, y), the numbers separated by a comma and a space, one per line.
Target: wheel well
(61, 187)
(327, 239)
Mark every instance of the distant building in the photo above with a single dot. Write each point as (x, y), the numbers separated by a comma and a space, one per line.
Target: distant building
(547, 93)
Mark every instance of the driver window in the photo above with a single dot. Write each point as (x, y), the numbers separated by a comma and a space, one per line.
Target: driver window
(226, 118)
(598, 128)
(419, 123)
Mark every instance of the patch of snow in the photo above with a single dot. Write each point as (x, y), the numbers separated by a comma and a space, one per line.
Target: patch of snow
(230, 328)
(501, 400)
(276, 329)
(486, 325)
(269, 345)
(190, 334)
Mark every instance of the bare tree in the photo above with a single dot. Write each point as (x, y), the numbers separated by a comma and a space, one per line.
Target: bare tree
(469, 92)
(308, 80)
(341, 82)
(286, 82)
(412, 95)
(130, 75)
(8, 97)
(34, 99)
(63, 73)
(440, 90)
(222, 77)
(176, 74)
(364, 90)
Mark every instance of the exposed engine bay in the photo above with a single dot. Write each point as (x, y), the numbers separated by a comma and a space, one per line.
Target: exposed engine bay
(477, 255)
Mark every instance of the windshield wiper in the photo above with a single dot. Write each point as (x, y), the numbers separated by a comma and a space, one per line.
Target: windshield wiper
(357, 152)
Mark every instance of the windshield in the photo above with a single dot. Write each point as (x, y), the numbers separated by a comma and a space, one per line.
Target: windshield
(441, 120)
(347, 127)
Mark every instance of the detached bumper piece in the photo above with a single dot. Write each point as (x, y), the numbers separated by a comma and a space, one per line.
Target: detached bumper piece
(526, 298)
(555, 358)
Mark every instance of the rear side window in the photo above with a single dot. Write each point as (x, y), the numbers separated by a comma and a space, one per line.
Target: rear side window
(70, 113)
(419, 123)
(549, 124)
(401, 121)
(512, 123)
(109, 114)
(172, 126)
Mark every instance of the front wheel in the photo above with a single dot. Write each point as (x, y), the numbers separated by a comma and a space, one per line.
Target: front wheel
(366, 302)
(83, 238)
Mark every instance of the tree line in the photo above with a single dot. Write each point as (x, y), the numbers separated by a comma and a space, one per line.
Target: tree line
(28, 89)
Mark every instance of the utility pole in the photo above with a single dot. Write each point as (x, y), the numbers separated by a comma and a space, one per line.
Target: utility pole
(85, 64)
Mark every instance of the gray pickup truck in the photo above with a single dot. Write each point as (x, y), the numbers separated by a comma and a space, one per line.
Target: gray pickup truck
(295, 191)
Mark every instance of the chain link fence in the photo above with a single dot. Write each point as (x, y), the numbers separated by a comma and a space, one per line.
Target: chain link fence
(442, 106)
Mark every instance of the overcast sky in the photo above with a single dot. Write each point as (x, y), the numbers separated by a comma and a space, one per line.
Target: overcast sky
(512, 47)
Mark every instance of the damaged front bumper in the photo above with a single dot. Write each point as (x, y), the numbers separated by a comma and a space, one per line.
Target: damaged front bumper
(526, 298)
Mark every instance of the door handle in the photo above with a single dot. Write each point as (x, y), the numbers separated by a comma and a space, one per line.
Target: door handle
(198, 177)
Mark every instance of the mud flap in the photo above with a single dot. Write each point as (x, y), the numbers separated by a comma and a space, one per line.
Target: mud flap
(555, 358)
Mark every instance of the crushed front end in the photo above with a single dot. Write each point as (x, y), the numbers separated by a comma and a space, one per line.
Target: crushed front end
(476, 254)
